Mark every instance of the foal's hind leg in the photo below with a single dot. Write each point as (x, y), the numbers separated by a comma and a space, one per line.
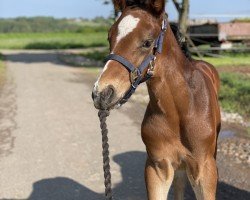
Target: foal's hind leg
(179, 184)
(205, 184)
(159, 177)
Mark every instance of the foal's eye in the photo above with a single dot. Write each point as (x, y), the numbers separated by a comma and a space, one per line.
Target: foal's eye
(147, 44)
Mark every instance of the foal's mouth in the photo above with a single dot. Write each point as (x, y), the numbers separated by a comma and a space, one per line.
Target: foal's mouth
(107, 99)
(104, 106)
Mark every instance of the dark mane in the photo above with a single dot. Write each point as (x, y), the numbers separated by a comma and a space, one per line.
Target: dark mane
(181, 41)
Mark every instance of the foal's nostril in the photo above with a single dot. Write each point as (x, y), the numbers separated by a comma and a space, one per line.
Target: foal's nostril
(108, 94)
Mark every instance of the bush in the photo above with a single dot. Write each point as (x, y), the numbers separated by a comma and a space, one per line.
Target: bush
(50, 24)
(97, 55)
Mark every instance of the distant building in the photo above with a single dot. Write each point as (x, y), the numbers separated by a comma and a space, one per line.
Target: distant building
(219, 34)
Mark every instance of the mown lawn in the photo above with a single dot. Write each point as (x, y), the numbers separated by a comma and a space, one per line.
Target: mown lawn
(52, 40)
(233, 60)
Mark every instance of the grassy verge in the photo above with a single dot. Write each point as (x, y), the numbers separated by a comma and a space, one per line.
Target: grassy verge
(240, 60)
(52, 40)
(235, 93)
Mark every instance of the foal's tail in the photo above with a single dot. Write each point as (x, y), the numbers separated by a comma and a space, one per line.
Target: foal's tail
(218, 128)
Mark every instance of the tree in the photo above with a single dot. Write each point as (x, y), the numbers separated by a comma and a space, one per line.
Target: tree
(183, 11)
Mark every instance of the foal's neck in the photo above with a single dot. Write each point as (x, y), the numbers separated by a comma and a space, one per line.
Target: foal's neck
(168, 89)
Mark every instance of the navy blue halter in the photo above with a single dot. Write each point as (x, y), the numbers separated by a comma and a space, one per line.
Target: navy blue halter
(136, 72)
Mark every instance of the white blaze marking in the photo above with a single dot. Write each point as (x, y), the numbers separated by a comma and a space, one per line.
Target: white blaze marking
(106, 66)
(126, 26)
(104, 69)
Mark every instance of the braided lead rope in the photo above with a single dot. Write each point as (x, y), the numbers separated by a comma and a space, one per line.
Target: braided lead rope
(103, 114)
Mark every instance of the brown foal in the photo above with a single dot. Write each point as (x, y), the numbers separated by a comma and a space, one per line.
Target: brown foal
(182, 120)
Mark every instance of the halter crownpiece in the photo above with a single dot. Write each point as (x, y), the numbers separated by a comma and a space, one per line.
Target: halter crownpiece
(136, 77)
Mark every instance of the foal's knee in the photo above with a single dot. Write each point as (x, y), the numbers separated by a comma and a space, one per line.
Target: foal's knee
(163, 168)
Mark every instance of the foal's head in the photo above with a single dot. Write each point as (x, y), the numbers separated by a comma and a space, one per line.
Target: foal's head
(132, 36)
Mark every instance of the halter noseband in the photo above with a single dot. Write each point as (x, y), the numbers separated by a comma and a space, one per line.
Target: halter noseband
(136, 77)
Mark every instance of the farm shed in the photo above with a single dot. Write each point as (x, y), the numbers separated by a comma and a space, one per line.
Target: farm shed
(217, 33)
(235, 31)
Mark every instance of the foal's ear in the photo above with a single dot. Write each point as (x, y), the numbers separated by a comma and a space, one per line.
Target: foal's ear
(119, 5)
(157, 6)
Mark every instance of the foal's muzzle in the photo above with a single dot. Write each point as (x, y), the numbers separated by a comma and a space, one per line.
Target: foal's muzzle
(103, 100)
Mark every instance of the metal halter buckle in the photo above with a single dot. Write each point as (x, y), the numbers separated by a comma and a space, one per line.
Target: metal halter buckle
(151, 67)
(134, 75)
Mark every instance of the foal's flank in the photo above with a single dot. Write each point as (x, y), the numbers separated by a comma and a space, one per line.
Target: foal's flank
(182, 120)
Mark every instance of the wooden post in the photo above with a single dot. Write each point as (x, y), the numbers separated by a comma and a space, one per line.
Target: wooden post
(183, 11)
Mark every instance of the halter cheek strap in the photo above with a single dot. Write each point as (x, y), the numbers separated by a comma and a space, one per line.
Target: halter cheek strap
(136, 77)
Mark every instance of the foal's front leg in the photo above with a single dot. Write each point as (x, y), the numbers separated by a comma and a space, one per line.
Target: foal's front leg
(205, 186)
(159, 177)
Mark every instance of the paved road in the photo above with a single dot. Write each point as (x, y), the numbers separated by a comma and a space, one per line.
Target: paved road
(50, 144)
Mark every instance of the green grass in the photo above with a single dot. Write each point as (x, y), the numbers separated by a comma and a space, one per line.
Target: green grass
(235, 93)
(232, 60)
(52, 40)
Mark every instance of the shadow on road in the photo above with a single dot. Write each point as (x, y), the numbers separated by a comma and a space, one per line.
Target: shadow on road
(131, 188)
(36, 57)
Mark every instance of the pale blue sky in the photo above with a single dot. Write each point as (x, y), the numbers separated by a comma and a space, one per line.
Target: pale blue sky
(221, 9)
